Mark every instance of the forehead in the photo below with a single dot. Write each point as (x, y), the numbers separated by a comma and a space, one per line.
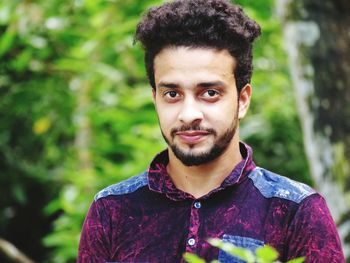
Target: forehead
(183, 64)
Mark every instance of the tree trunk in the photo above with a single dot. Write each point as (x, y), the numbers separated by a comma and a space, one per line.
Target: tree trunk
(317, 38)
(83, 134)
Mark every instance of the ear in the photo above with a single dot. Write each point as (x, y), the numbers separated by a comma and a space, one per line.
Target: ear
(244, 100)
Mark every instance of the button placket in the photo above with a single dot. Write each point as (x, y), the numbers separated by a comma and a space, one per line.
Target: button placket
(192, 238)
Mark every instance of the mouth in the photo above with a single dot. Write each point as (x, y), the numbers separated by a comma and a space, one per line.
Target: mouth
(192, 137)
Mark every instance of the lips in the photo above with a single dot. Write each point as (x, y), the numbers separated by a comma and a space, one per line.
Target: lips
(192, 136)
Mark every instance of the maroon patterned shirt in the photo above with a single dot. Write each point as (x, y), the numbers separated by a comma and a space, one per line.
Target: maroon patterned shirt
(147, 219)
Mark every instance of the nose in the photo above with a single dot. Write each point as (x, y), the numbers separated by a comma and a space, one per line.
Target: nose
(190, 112)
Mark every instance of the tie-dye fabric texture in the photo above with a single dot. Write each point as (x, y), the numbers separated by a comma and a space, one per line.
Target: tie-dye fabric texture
(147, 219)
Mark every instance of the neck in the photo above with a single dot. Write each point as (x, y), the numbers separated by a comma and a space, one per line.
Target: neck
(200, 180)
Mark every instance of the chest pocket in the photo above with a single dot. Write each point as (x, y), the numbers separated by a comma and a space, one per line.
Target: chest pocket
(242, 242)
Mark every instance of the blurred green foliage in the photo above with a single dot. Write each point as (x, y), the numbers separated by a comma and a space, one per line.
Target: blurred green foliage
(76, 113)
(264, 254)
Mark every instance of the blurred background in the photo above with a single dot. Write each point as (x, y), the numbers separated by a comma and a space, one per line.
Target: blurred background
(76, 113)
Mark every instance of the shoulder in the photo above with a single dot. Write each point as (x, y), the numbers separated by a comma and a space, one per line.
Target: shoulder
(271, 185)
(125, 187)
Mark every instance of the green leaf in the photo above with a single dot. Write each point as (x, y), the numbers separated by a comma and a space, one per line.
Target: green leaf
(266, 254)
(6, 41)
(242, 253)
(297, 260)
(192, 258)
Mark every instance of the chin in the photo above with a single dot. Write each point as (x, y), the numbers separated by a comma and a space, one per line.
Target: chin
(194, 150)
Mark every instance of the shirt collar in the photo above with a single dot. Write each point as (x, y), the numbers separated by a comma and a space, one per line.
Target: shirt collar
(159, 180)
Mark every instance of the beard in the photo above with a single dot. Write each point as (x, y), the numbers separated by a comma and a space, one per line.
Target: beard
(219, 146)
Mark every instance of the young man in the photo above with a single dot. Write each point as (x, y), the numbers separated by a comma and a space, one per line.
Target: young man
(198, 55)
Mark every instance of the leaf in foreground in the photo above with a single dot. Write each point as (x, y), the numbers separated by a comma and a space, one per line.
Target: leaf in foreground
(192, 258)
(242, 253)
(266, 254)
(297, 260)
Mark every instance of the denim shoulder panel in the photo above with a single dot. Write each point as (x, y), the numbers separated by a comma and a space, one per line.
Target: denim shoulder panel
(273, 185)
(125, 187)
(241, 242)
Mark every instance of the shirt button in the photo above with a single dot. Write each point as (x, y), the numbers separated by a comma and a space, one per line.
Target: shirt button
(191, 241)
(197, 205)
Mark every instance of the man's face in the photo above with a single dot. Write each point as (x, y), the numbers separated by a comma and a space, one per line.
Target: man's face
(196, 101)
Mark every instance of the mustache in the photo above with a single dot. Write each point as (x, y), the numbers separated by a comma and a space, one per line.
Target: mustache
(190, 127)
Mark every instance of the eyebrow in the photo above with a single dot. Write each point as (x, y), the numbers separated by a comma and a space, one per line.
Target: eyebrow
(211, 84)
(203, 85)
(168, 85)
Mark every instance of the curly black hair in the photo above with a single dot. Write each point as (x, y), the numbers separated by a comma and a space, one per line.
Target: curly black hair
(199, 23)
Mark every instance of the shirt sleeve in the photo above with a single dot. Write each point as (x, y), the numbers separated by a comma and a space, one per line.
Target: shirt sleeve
(94, 240)
(313, 233)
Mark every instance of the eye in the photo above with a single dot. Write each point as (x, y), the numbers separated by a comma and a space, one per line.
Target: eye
(171, 94)
(210, 94)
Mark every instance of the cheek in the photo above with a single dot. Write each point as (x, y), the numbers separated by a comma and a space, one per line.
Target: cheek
(167, 117)
(221, 114)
